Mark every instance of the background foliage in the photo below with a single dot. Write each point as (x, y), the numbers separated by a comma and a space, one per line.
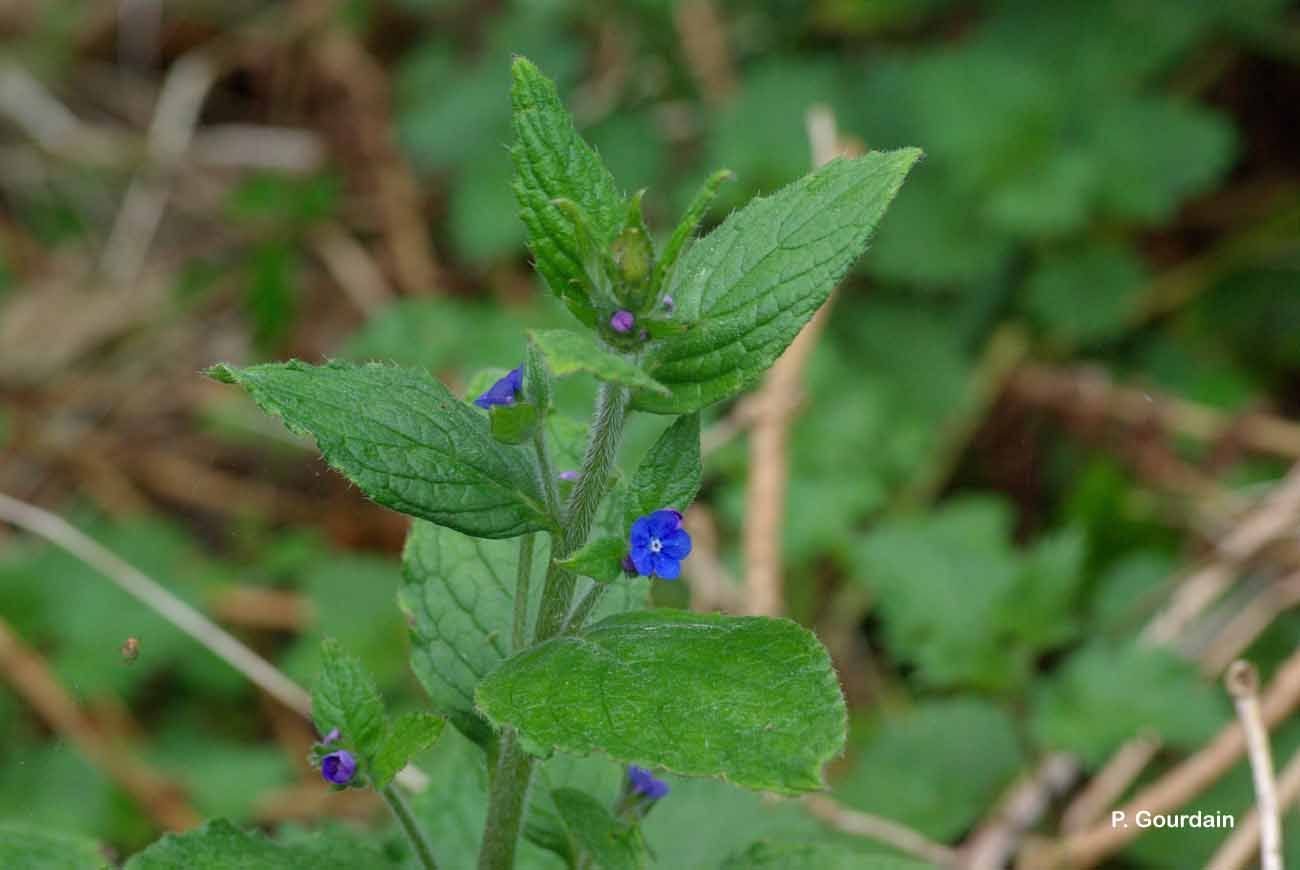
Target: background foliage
(1110, 184)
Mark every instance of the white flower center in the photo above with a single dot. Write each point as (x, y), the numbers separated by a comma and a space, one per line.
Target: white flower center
(656, 545)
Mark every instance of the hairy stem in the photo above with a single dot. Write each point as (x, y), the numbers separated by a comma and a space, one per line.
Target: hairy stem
(410, 827)
(507, 802)
(606, 433)
(523, 578)
(545, 473)
(585, 606)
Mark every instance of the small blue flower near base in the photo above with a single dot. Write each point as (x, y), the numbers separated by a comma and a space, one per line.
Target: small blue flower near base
(503, 392)
(645, 783)
(338, 767)
(658, 543)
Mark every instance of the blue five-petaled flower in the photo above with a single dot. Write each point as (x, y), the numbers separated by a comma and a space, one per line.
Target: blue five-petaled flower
(645, 783)
(503, 391)
(658, 543)
(338, 767)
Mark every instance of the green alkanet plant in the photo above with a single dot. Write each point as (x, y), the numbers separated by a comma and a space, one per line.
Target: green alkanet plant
(579, 663)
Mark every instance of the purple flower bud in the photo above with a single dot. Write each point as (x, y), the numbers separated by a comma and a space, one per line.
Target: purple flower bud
(338, 767)
(669, 304)
(629, 567)
(569, 475)
(645, 783)
(622, 321)
(331, 737)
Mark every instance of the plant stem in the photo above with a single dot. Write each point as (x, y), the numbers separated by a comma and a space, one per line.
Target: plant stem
(507, 802)
(544, 471)
(523, 578)
(506, 805)
(410, 827)
(606, 433)
(585, 606)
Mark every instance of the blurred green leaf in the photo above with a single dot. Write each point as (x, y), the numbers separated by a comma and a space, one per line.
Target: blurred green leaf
(1109, 693)
(219, 845)
(817, 856)
(963, 606)
(1086, 294)
(936, 767)
(28, 848)
(280, 198)
(611, 844)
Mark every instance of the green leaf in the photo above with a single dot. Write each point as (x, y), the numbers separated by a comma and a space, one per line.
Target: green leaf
(750, 699)
(411, 733)
(686, 227)
(27, 848)
(612, 844)
(458, 596)
(512, 424)
(568, 352)
(1087, 294)
(553, 162)
(1107, 693)
(219, 845)
(960, 603)
(935, 767)
(600, 559)
(817, 856)
(345, 697)
(669, 475)
(751, 285)
(405, 440)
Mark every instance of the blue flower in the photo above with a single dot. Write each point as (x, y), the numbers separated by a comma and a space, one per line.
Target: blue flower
(338, 767)
(658, 544)
(645, 783)
(503, 391)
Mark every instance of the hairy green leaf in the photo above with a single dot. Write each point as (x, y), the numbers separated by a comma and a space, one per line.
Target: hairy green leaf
(219, 845)
(553, 162)
(26, 848)
(458, 595)
(750, 699)
(568, 352)
(669, 474)
(405, 440)
(600, 559)
(751, 285)
(345, 697)
(612, 844)
(410, 734)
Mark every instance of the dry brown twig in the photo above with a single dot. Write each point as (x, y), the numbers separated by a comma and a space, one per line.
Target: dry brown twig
(1242, 681)
(33, 679)
(873, 827)
(1019, 810)
(1241, 847)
